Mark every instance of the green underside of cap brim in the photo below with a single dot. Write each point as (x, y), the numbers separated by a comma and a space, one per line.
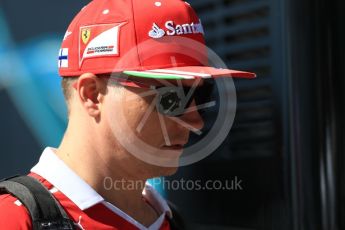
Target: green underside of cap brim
(153, 75)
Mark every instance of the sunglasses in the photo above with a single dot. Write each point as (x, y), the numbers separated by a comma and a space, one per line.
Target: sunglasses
(175, 100)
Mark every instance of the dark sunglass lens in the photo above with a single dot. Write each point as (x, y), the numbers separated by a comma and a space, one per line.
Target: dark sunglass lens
(203, 94)
(187, 90)
(170, 101)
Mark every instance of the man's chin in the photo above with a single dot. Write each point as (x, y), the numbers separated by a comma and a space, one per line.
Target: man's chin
(164, 171)
(169, 171)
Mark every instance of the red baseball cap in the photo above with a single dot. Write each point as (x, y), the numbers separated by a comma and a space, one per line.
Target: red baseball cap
(143, 38)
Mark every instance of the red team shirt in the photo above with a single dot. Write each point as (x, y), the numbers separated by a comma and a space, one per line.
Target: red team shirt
(84, 205)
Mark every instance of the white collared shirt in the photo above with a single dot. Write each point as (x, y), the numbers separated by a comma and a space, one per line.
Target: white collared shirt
(65, 180)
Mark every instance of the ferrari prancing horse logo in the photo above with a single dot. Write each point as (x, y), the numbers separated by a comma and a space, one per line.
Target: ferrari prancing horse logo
(85, 35)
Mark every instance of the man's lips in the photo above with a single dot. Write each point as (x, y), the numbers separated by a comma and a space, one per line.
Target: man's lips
(174, 147)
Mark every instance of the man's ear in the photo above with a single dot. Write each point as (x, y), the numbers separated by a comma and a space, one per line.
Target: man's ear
(90, 90)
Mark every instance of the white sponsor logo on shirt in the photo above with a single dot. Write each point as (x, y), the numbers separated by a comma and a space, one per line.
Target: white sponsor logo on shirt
(79, 224)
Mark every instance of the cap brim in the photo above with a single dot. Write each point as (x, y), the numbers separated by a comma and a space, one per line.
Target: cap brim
(190, 72)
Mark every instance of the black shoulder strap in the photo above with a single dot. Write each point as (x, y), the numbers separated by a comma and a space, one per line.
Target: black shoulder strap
(176, 223)
(46, 213)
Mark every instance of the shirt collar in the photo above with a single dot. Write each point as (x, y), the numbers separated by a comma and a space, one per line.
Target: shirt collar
(54, 170)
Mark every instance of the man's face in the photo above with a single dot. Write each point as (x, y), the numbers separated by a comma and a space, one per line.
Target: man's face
(133, 117)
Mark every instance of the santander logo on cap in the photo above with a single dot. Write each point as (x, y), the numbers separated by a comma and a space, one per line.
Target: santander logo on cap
(171, 29)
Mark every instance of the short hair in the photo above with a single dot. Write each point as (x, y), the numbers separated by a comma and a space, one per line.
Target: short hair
(68, 91)
(66, 85)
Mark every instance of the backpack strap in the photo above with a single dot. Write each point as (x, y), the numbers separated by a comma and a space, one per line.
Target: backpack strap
(46, 213)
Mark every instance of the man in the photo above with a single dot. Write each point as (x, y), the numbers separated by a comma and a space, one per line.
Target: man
(120, 59)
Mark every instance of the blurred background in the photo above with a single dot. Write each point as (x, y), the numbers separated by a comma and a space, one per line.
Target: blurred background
(287, 142)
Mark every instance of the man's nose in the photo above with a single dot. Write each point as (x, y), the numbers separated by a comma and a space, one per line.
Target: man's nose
(192, 117)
